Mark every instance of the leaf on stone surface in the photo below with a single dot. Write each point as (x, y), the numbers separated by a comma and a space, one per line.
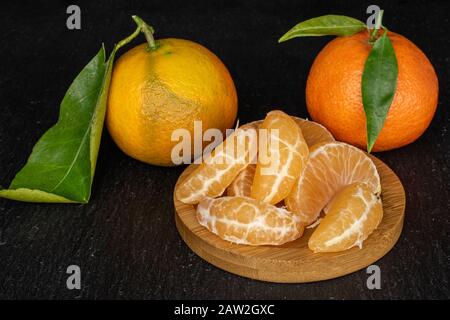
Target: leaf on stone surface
(62, 164)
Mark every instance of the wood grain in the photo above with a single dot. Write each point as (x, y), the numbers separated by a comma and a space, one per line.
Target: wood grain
(294, 262)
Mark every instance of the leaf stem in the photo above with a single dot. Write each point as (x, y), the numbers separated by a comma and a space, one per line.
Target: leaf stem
(128, 39)
(148, 32)
(374, 31)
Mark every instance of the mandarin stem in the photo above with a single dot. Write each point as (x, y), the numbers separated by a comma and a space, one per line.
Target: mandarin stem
(148, 32)
(374, 32)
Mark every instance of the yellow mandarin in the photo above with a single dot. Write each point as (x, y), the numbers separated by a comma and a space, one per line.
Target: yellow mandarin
(154, 92)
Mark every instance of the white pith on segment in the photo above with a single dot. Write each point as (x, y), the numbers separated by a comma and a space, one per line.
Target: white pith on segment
(321, 171)
(312, 132)
(221, 216)
(214, 175)
(283, 168)
(241, 185)
(353, 215)
(357, 226)
(288, 141)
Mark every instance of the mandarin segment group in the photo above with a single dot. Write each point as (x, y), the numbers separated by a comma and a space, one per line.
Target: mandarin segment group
(298, 172)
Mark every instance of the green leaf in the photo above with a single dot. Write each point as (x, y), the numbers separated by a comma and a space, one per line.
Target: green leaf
(61, 166)
(379, 81)
(62, 163)
(325, 25)
(29, 195)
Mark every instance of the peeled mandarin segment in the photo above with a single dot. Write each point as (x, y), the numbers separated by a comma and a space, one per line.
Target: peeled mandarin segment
(242, 184)
(248, 221)
(251, 125)
(282, 163)
(353, 215)
(326, 209)
(331, 167)
(220, 168)
(313, 132)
